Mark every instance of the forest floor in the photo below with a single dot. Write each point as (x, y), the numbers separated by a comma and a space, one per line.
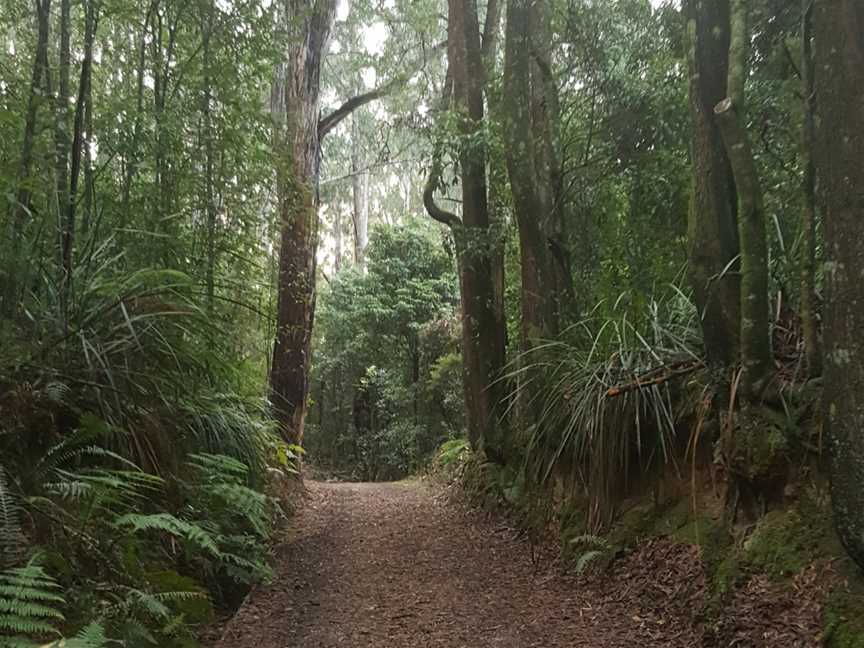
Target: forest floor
(401, 565)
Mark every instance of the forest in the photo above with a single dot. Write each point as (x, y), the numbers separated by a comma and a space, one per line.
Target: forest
(398, 323)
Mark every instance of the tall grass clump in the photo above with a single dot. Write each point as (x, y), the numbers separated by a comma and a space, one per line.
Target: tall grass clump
(607, 396)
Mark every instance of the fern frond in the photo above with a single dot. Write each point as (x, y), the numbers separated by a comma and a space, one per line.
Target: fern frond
(12, 540)
(104, 486)
(253, 506)
(92, 636)
(171, 525)
(29, 604)
(586, 559)
(219, 467)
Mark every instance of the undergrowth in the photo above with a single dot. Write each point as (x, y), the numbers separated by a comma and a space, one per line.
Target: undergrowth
(133, 463)
(607, 397)
(618, 406)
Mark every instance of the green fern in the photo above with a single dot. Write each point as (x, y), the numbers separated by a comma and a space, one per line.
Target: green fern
(220, 483)
(586, 559)
(29, 605)
(92, 636)
(596, 548)
(105, 487)
(138, 603)
(12, 540)
(453, 451)
(170, 525)
(217, 467)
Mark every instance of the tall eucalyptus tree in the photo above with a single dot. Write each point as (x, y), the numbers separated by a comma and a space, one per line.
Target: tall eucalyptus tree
(483, 350)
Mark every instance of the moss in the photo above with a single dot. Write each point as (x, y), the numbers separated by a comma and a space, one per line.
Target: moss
(844, 624)
(783, 543)
(725, 575)
(761, 447)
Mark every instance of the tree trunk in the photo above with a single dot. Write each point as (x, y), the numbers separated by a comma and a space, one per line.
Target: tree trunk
(132, 152)
(496, 174)
(337, 240)
(69, 207)
(209, 198)
(839, 84)
(755, 339)
(20, 207)
(529, 174)
(294, 107)
(809, 326)
(359, 188)
(61, 146)
(89, 179)
(712, 234)
(483, 351)
(545, 124)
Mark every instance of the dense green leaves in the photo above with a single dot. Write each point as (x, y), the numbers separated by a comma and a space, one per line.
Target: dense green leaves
(381, 378)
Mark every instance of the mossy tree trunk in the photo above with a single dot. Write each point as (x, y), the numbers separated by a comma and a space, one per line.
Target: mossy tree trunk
(755, 337)
(712, 234)
(839, 85)
(809, 326)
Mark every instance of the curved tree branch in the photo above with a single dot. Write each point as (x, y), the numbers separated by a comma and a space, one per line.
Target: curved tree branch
(331, 121)
(434, 180)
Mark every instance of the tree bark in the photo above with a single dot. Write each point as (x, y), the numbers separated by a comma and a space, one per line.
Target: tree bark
(69, 207)
(61, 143)
(132, 152)
(209, 165)
(359, 188)
(839, 85)
(20, 208)
(809, 325)
(294, 107)
(712, 234)
(531, 194)
(755, 338)
(496, 173)
(483, 351)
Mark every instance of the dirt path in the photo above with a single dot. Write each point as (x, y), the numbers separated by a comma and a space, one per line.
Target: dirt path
(399, 566)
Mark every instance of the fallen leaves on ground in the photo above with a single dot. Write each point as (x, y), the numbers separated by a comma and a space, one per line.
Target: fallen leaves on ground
(400, 565)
